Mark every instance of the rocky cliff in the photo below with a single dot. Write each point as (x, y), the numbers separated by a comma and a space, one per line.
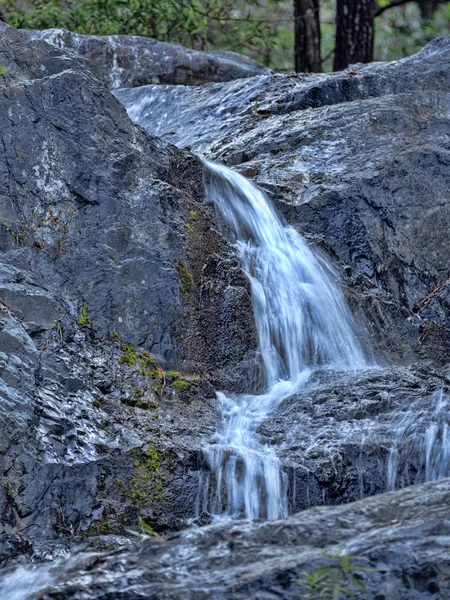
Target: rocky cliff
(123, 309)
(107, 256)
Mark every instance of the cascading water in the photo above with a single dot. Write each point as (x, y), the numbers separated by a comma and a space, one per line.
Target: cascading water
(422, 432)
(303, 324)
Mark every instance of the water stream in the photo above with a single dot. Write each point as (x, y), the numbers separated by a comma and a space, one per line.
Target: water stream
(303, 324)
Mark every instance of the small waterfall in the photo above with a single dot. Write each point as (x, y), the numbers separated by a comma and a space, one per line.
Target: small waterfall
(422, 431)
(303, 324)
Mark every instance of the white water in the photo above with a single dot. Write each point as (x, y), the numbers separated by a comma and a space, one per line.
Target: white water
(303, 324)
(422, 431)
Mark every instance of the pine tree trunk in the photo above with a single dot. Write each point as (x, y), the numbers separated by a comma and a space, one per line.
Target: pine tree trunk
(307, 36)
(354, 32)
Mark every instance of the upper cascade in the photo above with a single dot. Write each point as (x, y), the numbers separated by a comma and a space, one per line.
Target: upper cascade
(300, 312)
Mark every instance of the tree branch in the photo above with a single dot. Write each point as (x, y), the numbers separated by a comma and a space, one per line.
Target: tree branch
(395, 3)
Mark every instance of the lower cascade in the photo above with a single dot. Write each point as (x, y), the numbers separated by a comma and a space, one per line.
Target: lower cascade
(303, 325)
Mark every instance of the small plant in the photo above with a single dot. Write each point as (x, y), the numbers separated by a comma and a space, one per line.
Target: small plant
(186, 279)
(181, 385)
(332, 582)
(19, 235)
(83, 317)
(147, 529)
(173, 375)
(57, 326)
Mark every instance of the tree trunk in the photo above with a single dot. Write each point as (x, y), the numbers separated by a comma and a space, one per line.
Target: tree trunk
(354, 32)
(307, 36)
(427, 9)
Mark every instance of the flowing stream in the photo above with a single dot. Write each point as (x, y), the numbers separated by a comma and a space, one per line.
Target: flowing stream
(303, 324)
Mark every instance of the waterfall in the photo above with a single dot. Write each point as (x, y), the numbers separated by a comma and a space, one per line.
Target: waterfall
(303, 324)
(422, 431)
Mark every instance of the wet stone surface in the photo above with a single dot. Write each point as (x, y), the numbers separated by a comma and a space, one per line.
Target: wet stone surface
(123, 308)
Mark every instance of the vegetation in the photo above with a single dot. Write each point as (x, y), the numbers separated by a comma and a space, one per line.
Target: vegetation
(147, 481)
(186, 280)
(83, 317)
(267, 30)
(333, 582)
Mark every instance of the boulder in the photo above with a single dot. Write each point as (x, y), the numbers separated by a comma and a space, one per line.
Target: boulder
(400, 541)
(130, 60)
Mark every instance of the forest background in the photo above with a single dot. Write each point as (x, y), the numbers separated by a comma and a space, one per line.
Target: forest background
(274, 32)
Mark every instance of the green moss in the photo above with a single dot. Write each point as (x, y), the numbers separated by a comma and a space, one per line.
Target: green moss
(97, 404)
(186, 280)
(83, 317)
(3, 70)
(129, 357)
(147, 481)
(189, 228)
(146, 359)
(173, 375)
(146, 367)
(181, 385)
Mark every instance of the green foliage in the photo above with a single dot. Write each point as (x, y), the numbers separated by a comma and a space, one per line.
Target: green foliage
(147, 529)
(262, 29)
(3, 70)
(186, 280)
(83, 317)
(181, 385)
(173, 375)
(11, 489)
(404, 31)
(193, 23)
(333, 582)
(147, 481)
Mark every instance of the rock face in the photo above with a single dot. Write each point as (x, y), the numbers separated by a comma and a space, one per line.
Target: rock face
(129, 61)
(106, 257)
(123, 307)
(358, 162)
(403, 538)
(349, 437)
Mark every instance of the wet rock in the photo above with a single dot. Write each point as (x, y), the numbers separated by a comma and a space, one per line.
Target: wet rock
(401, 537)
(357, 162)
(351, 436)
(129, 60)
(107, 356)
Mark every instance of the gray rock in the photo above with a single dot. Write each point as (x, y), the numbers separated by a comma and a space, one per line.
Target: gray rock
(357, 162)
(107, 256)
(402, 538)
(129, 60)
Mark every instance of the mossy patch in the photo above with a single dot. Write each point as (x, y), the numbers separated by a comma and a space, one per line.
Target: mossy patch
(147, 480)
(186, 279)
(145, 366)
(173, 375)
(83, 317)
(181, 385)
